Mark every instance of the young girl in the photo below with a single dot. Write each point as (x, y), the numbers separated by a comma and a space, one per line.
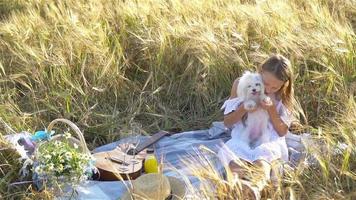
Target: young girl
(277, 77)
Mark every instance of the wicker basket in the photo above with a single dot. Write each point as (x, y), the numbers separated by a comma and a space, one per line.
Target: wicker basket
(81, 142)
(72, 140)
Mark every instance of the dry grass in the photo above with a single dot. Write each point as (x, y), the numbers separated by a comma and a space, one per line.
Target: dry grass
(105, 64)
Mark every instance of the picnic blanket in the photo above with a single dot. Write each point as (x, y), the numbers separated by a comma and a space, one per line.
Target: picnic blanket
(172, 150)
(176, 148)
(187, 145)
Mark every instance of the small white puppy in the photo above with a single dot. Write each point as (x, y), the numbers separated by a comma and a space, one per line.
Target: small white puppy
(251, 90)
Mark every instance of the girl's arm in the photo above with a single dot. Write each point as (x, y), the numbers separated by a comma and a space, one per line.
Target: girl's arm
(235, 116)
(277, 123)
(233, 92)
(276, 120)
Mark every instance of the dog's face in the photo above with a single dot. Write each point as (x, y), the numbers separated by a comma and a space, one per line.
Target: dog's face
(250, 85)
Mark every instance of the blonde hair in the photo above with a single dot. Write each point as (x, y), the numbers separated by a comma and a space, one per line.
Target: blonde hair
(281, 67)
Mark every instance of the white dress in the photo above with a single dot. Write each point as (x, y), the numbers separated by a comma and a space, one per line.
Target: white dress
(234, 148)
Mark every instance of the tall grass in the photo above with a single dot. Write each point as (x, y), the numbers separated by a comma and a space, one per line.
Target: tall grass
(105, 64)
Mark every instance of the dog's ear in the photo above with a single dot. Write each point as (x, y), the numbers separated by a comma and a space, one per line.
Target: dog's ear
(247, 72)
(241, 87)
(242, 92)
(258, 77)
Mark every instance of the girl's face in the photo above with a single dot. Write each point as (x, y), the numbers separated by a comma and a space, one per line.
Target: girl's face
(271, 82)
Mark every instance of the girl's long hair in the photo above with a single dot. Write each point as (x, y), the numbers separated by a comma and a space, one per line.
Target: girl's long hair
(281, 67)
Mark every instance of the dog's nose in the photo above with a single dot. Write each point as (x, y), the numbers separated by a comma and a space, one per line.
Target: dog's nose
(253, 90)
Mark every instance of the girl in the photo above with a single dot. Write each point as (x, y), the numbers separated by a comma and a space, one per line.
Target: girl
(277, 77)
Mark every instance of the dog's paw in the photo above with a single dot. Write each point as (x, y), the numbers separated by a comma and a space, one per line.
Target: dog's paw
(249, 105)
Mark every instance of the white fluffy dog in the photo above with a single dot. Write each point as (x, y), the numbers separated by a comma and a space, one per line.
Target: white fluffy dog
(251, 90)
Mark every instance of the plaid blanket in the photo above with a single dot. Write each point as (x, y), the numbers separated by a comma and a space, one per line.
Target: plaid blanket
(174, 149)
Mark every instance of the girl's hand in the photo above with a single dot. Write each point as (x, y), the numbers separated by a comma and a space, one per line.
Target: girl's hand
(267, 104)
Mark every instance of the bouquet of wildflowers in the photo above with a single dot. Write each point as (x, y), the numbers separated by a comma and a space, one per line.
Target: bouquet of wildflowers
(63, 160)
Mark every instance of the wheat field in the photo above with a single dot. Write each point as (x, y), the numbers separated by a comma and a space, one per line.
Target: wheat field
(170, 64)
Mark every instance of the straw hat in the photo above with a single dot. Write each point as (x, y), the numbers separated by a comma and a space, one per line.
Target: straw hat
(156, 187)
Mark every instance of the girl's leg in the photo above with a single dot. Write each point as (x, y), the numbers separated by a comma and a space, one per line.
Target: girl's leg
(240, 169)
(252, 189)
(263, 174)
(276, 172)
(257, 181)
(261, 169)
(249, 191)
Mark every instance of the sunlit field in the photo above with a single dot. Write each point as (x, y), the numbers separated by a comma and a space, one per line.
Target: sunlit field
(169, 65)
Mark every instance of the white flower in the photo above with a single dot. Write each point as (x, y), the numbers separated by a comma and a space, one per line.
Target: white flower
(67, 135)
(59, 168)
(75, 146)
(48, 156)
(50, 167)
(57, 143)
(38, 170)
(68, 155)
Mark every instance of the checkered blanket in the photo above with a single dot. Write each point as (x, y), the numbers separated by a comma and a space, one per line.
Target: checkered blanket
(176, 148)
(172, 150)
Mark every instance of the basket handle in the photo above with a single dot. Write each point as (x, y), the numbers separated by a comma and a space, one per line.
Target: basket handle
(75, 129)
